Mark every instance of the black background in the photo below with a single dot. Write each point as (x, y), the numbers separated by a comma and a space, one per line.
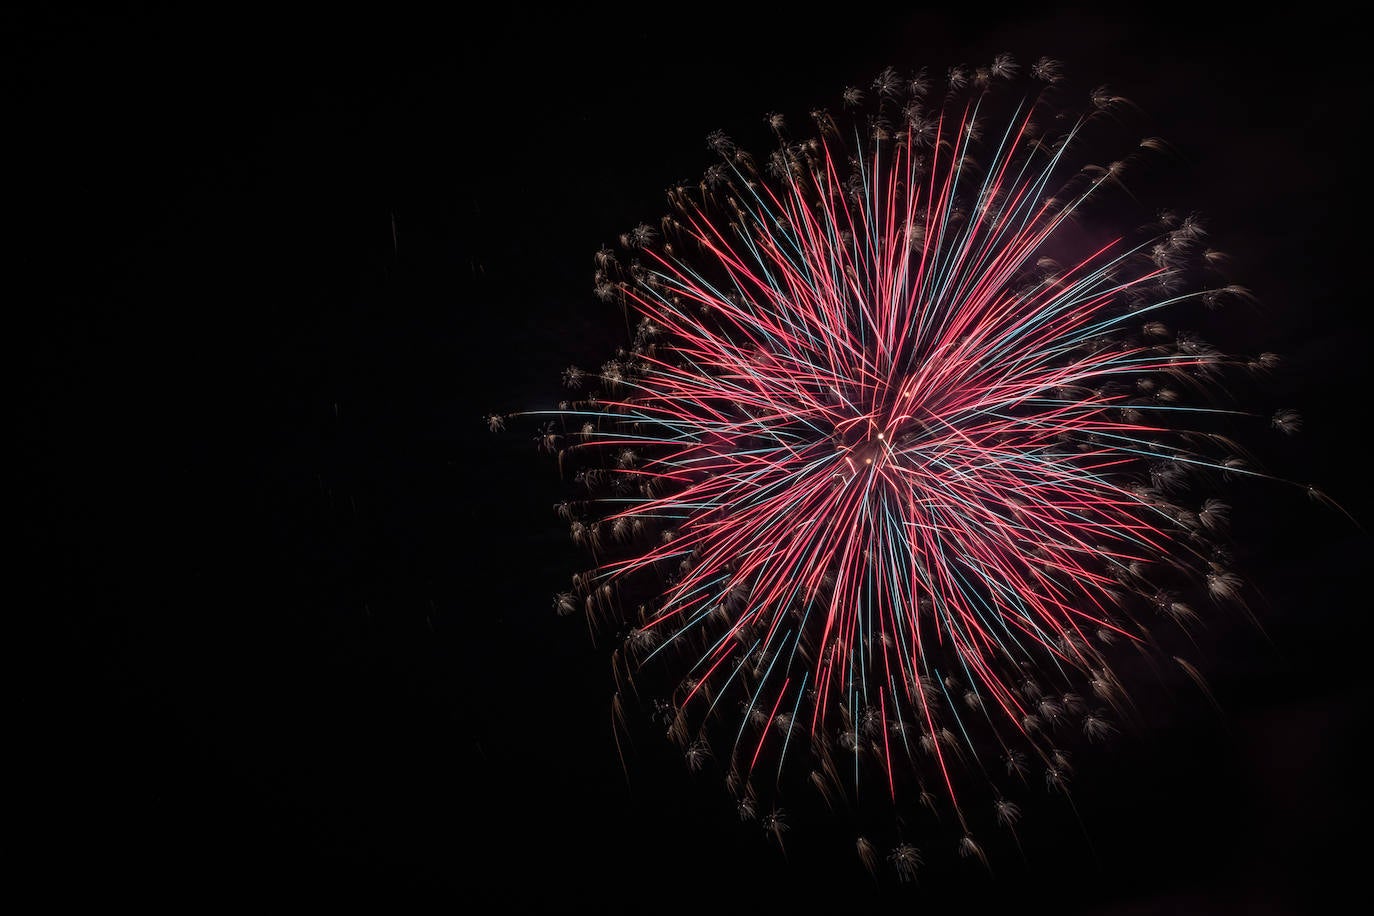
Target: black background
(274, 269)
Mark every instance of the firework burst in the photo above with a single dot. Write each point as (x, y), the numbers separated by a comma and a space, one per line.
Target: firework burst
(907, 452)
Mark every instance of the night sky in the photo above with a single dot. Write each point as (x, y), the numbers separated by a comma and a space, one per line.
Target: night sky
(301, 645)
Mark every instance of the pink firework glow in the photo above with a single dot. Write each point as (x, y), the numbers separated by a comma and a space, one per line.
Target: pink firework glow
(909, 449)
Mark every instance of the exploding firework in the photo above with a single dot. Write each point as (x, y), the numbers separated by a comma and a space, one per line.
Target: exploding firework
(912, 446)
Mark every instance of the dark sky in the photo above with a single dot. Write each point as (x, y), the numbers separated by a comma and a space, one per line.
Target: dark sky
(303, 646)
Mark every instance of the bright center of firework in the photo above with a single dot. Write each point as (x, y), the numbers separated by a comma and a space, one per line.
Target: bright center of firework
(870, 450)
(868, 446)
